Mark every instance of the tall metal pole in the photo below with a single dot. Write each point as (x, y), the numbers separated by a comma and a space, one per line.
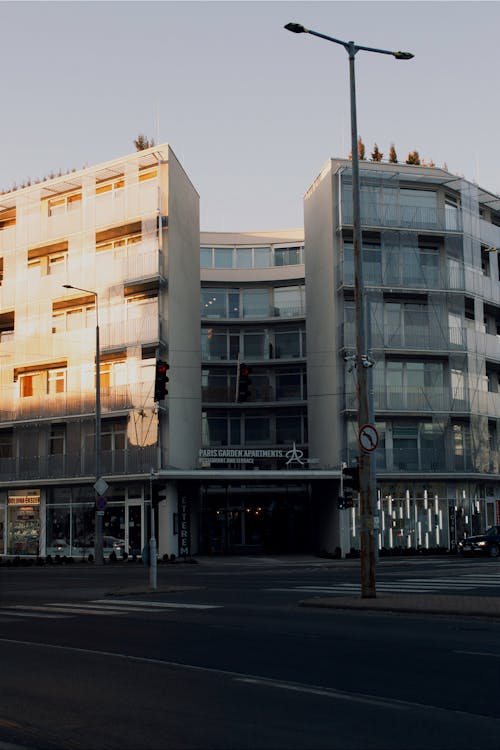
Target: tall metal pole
(363, 361)
(368, 589)
(98, 549)
(153, 557)
(100, 485)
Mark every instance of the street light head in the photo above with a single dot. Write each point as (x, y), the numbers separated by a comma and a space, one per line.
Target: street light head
(297, 28)
(67, 286)
(403, 55)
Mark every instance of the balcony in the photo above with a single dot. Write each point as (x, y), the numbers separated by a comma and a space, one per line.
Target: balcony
(130, 332)
(404, 217)
(427, 337)
(258, 394)
(47, 406)
(271, 312)
(122, 462)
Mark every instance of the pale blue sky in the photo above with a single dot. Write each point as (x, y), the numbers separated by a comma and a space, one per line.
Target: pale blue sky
(251, 110)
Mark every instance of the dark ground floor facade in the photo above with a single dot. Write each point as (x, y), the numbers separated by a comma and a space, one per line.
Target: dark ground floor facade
(228, 514)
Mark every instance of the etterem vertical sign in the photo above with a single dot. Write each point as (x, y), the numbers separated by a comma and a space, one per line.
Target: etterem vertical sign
(184, 527)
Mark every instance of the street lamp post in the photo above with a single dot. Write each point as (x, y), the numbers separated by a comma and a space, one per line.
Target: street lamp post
(367, 475)
(99, 486)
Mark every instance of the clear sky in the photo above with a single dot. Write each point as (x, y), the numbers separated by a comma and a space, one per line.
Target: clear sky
(251, 110)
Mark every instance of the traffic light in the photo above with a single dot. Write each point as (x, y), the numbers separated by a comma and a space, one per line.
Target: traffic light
(244, 383)
(350, 477)
(350, 484)
(161, 380)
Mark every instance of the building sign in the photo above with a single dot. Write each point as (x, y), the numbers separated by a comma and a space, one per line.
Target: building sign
(247, 455)
(24, 500)
(184, 527)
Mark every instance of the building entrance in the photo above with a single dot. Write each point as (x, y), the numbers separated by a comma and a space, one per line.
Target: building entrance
(237, 520)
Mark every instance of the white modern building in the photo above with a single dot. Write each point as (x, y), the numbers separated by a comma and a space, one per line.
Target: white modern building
(232, 472)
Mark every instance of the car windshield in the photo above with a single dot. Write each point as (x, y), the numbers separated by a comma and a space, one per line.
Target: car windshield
(493, 531)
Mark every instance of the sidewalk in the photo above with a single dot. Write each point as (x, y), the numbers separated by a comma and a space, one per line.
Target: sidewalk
(435, 604)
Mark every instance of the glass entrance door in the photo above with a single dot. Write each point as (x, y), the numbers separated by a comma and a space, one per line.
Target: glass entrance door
(133, 529)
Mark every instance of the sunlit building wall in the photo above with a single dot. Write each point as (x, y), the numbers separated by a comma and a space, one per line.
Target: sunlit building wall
(128, 232)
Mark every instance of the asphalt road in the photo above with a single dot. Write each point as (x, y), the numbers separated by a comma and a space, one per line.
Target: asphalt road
(217, 658)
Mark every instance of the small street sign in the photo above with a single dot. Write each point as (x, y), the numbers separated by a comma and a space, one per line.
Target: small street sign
(368, 438)
(101, 486)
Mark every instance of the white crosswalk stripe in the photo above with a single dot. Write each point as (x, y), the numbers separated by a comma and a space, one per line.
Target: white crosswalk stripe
(405, 585)
(97, 607)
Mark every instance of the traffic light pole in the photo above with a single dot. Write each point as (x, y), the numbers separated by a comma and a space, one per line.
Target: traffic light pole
(153, 556)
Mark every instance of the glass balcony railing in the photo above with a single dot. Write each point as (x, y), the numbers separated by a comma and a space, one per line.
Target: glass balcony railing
(132, 460)
(113, 399)
(427, 337)
(428, 400)
(407, 217)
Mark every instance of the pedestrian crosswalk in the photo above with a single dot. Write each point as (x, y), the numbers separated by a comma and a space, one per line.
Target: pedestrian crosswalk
(96, 607)
(455, 584)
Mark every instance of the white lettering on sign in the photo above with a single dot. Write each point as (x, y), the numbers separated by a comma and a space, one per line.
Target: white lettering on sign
(184, 547)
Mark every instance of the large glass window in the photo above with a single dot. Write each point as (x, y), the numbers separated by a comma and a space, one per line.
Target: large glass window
(289, 430)
(223, 257)
(255, 345)
(289, 301)
(287, 344)
(418, 207)
(213, 303)
(244, 257)
(255, 303)
(206, 257)
(257, 430)
(57, 440)
(56, 381)
(287, 256)
(289, 386)
(262, 256)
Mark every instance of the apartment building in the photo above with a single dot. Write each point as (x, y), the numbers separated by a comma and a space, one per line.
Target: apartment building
(114, 249)
(431, 272)
(258, 329)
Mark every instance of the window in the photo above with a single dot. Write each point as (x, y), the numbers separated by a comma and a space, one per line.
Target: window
(223, 257)
(56, 381)
(72, 318)
(7, 218)
(255, 344)
(287, 256)
(287, 344)
(57, 440)
(244, 257)
(262, 256)
(147, 174)
(39, 383)
(220, 303)
(205, 257)
(111, 187)
(29, 384)
(113, 435)
(113, 373)
(64, 203)
(119, 245)
(289, 301)
(257, 430)
(48, 259)
(6, 444)
(7, 320)
(289, 430)
(451, 213)
(255, 303)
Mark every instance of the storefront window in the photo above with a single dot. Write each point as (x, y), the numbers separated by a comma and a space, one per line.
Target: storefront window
(2, 531)
(23, 524)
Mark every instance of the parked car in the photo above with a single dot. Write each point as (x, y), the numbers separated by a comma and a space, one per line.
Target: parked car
(112, 544)
(482, 544)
